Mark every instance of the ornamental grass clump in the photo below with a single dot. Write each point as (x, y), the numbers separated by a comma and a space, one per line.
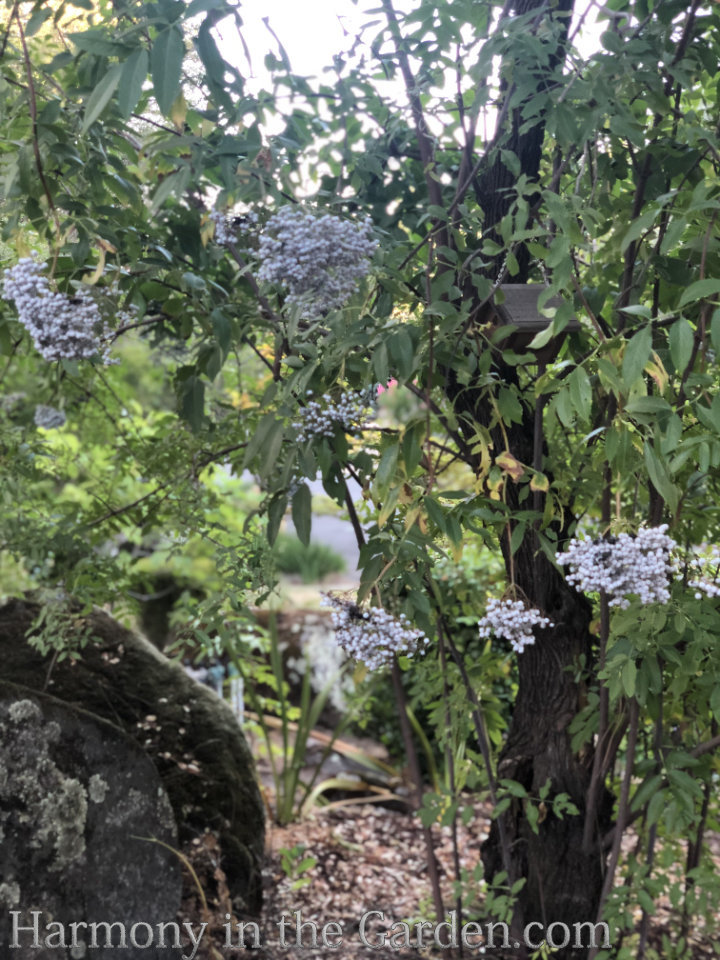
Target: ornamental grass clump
(318, 260)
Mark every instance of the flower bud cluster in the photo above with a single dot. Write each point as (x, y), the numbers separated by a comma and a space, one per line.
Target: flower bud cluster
(622, 566)
(227, 227)
(48, 417)
(513, 621)
(318, 418)
(61, 327)
(708, 571)
(371, 634)
(318, 260)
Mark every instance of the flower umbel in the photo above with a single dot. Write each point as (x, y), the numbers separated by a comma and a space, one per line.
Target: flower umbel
(318, 260)
(318, 418)
(513, 621)
(61, 327)
(371, 634)
(623, 566)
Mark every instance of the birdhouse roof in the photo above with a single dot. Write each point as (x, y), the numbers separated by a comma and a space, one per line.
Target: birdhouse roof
(520, 306)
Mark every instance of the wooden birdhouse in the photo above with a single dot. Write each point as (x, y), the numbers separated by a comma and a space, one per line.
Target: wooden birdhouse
(519, 312)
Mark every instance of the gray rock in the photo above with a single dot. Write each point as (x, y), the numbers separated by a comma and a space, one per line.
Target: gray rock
(79, 802)
(192, 737)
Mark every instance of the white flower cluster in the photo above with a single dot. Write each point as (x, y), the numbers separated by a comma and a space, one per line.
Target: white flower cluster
(623, 565)
(227, 227)
(61, 327)
(371, 634)
(48, 417)
(513, 621)
(318, 418)
(708, 573)
(319, 260)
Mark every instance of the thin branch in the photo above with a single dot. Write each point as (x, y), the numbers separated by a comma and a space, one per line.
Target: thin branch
(32, 103)
(425, 143)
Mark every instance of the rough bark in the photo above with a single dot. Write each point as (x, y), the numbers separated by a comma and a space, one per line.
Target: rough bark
(562, 883)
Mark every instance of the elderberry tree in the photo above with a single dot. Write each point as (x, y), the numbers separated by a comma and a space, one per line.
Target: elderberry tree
(265, 312)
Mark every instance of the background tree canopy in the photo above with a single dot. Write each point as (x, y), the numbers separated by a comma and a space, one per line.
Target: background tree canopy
(456, 149)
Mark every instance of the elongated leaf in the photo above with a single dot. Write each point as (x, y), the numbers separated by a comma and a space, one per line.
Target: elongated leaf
(100, 97)
(209, 54)
(302, 513)
(581, 392)
(637, 354)
(699, 290)
(681, 343)
(134, 73)
(166, 63)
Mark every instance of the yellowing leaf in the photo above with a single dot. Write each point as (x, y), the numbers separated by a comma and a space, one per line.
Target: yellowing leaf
(658, 372)
(510, 465)
(540, 482)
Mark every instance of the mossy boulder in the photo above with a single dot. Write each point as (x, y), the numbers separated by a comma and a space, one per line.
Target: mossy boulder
(192, 737)
(79, 804)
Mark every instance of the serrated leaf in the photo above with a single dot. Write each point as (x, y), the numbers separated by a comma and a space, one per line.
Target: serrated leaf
(581, 392)
(637, 354)
(209, 54)
(681, 339)
(166, 62)
(699, 291)
(660, 477)
(134, 74)
(628, 678)
(101, 96)
(192, 402)
(302, 513)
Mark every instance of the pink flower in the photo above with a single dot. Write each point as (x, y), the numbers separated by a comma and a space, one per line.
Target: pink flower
(388, 386)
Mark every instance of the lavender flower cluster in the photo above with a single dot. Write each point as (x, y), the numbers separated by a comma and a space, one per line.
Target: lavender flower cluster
(318, 418)
(708, 571)
(227, 227)
(371, 634)
(513, 621)
(318, 260)
(623, 566)
(61, 327)
(48, 417)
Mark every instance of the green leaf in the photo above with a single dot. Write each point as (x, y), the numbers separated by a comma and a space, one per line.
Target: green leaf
(276, 512)
(385, 470)
(715, 330)
(681, 339)
(134, 73)
(210, 55)
(637, 354)
(192, 402)
(302, 512)
(628, 677)
(699, 291)
(581, 392)
(660, 477)
(100, 97)
(166, 63)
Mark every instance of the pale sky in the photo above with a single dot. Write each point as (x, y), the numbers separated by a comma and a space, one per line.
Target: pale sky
(312, 31)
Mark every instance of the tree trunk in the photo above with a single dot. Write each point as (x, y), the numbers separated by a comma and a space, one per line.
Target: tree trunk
(563, 884)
